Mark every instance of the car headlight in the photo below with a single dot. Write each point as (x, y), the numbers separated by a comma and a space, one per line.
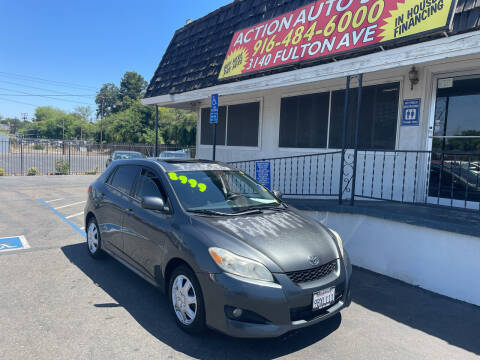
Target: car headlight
(338, 239)
(239, 265)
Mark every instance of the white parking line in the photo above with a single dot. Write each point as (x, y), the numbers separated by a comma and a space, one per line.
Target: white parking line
(50, 201)
(65, 206)
(74, 215)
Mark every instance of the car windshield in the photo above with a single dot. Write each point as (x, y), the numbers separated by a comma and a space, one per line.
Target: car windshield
(126, 156)
(222, 191)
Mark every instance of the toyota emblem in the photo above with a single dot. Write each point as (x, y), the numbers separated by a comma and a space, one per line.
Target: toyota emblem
(314, 260)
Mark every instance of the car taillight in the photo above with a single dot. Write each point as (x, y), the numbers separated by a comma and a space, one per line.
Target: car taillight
(89, 189)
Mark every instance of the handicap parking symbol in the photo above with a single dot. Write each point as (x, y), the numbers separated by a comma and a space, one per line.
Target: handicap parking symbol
(13, 243)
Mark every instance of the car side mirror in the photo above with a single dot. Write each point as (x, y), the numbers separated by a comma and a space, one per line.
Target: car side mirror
(154, 203)
(277, 193)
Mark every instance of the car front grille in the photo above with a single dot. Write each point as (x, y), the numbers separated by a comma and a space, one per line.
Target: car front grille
(317, 273)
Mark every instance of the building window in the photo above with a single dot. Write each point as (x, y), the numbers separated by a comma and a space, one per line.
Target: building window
(238, 125)
(206, 135)
(304, 121)
(243, 124)
(378, 117)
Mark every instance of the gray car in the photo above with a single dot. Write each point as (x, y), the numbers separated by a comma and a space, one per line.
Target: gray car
(230, 254)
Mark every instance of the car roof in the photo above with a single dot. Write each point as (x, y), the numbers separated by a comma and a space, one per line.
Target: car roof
(176, 165)
(127, 152)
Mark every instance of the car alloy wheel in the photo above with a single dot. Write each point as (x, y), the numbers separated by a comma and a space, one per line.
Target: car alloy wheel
(184, 300)
(93, 239)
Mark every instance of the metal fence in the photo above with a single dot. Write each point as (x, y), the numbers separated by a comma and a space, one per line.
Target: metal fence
(309, 175)
(51, 157)
(413, 177)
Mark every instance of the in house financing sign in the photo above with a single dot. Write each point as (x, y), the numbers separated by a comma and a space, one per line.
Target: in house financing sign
(329, 27)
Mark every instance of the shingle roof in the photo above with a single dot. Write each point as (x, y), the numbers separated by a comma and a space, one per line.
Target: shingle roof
(195, 55)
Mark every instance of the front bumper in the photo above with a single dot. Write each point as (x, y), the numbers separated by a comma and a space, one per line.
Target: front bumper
(285, 306)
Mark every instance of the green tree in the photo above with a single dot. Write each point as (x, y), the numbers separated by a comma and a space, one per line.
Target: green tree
(107, 100)
(84, 112)
(132, 86)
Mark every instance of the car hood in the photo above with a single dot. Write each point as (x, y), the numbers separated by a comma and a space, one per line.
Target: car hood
(288, 238)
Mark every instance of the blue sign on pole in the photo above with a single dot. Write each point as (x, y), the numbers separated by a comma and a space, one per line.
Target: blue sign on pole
(13, 243)
(214, 110)
(411, 112)
(263, 173)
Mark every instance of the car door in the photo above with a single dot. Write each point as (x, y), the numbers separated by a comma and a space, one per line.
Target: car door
(115, 204)
(146, 231)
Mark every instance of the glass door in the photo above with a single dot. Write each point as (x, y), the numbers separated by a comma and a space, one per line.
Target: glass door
(455, 167)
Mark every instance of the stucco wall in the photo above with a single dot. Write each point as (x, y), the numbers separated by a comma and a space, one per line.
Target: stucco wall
(439, 261)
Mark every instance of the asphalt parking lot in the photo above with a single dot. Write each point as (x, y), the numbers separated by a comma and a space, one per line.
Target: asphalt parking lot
(57, 302)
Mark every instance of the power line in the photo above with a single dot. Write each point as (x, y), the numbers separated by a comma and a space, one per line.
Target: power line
(42, 80)
(51, 97)
(19, 102)
(30, 87)
(46, 95)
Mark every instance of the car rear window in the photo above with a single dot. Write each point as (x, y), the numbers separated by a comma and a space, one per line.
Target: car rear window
(124, 178)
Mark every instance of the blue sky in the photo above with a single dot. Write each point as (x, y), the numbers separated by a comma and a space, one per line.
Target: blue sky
(85, 43)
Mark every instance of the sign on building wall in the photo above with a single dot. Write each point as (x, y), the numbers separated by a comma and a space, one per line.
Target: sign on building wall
(411, 112)
(263, 173)
(329, 27)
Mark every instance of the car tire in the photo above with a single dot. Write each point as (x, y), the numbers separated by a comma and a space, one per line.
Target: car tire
(94, 241)
(186, 300)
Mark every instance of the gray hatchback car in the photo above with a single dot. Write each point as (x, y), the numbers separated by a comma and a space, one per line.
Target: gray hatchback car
(230, 254)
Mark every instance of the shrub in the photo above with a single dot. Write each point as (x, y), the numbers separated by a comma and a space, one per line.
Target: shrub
(2, 172)
(33, 171)
(62, 167)
(94, 171)
(38, 147)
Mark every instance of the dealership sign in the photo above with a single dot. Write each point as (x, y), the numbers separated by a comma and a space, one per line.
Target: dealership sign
(330, 27)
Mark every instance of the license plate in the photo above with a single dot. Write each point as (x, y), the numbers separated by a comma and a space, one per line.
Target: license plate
(323, 298)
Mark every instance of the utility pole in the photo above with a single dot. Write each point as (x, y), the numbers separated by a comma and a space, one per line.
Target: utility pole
(101, 125)
(63, 135)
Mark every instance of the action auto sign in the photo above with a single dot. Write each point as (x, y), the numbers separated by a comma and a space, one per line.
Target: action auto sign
(329, 27)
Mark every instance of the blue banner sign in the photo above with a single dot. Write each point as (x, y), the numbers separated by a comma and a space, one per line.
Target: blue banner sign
(411, 112)
(214, 109)
(263, 173)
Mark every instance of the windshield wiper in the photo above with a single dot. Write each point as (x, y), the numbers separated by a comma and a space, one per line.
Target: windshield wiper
(218, 213)
(281, 207)
(208, 212)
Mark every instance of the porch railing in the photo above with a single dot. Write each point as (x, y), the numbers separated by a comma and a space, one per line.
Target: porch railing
(302, 175)
(413, 177)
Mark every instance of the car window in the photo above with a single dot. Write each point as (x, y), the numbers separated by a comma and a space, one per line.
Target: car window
(124, 178)
(149, 185)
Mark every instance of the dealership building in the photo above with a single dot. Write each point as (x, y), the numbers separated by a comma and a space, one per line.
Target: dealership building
(351, 100)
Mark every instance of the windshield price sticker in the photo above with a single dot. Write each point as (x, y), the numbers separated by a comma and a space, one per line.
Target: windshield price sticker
(186, 181)
(329, 27)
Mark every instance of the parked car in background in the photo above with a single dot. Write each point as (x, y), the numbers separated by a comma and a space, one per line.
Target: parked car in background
(123, 155)
(230, 254)
(180, 154)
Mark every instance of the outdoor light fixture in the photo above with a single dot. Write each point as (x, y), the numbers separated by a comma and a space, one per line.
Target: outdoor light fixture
(413, 76)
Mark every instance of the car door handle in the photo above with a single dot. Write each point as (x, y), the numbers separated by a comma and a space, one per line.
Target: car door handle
(129, 211)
